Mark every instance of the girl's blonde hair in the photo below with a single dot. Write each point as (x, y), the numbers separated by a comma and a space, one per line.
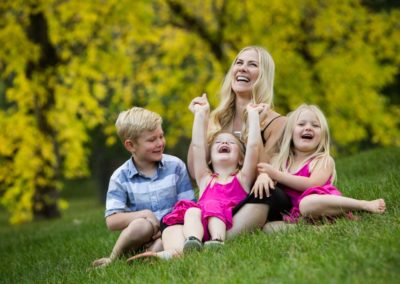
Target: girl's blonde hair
(285, 157)
(262, 91)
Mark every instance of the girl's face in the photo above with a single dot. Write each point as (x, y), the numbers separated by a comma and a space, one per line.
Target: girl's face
(245, 71)
(225, 147)
(307, 132)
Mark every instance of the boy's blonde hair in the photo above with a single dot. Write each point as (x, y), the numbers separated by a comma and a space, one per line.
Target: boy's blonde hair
(131, 123)
(263, 92)
(285, 158)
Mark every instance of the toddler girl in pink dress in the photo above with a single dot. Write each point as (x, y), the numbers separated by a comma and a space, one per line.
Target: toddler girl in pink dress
(221, 188)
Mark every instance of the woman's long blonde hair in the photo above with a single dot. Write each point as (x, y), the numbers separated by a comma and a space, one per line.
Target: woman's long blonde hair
(262, 91)
(285, 157)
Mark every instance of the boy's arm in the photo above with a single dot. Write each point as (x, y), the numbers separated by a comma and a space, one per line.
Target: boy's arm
(118, 215)
(121, 220)
(319, 176)
(248, 172)
(199, 145)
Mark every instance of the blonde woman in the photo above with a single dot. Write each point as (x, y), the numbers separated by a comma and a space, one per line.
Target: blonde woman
(250, 79)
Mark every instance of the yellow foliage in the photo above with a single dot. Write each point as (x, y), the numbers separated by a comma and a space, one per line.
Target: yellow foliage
(110, 56)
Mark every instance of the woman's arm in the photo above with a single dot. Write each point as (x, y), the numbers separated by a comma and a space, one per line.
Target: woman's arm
(272, 134)
(271, 137)
(320, 174)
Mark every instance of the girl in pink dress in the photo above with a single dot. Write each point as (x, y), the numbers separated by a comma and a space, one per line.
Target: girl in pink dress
(221, 188)
(306, 170)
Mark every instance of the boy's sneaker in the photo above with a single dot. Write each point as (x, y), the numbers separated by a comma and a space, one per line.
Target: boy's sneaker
(192, 244)
(214, 244)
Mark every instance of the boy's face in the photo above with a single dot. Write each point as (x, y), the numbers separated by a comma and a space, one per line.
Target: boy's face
(149, 147)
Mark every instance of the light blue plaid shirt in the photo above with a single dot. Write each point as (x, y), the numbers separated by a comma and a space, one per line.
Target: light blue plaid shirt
(131, 191)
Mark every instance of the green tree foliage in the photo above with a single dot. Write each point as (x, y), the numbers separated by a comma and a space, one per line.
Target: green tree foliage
(68, 67)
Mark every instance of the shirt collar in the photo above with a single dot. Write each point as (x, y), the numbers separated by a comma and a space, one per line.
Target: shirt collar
(132, 170)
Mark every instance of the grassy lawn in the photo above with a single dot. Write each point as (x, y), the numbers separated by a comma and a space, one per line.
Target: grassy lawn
(365, 251)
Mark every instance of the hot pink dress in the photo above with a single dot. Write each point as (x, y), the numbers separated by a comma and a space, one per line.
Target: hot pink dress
(296, 196)
(217, 200)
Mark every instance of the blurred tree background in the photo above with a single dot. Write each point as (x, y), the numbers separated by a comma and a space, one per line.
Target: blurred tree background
(69, 67)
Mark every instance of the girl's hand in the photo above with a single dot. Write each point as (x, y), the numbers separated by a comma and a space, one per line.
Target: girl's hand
(263, 184)
(199, 104)
(263, 114)
(255, 107)
(266, 168)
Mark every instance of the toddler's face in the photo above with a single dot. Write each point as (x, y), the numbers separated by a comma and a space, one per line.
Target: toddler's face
(225, 147)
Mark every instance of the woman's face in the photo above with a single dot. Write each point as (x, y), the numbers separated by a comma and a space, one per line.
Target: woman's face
(245, 72)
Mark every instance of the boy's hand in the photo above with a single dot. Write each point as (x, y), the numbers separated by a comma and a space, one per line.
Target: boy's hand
(157, 235)
(155, 223)
(101, 262)
(263, 184)
(199, 104)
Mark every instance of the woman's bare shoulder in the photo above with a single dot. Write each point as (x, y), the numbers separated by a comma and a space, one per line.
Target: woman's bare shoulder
(274, 123)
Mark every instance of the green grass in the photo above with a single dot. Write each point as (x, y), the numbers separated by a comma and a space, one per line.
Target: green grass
(365, 251)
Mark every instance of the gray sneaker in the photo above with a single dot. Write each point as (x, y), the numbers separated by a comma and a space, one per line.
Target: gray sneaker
(214, 244)
(192, 244)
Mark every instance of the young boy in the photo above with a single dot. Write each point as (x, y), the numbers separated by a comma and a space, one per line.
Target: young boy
(144, 188)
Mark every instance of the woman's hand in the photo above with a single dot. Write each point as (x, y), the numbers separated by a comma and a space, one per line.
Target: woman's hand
(268, 169)
(199, 104)
(263, 184)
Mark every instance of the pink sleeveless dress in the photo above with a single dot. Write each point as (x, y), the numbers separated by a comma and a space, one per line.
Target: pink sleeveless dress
(296, 196)
(217, 200)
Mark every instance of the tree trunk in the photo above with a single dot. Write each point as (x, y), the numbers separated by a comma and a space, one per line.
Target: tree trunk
(46, 196)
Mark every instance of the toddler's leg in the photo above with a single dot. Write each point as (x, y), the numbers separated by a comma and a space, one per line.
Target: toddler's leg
(315, 205)
(217, 228)
(135, 235)
(192, 224)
